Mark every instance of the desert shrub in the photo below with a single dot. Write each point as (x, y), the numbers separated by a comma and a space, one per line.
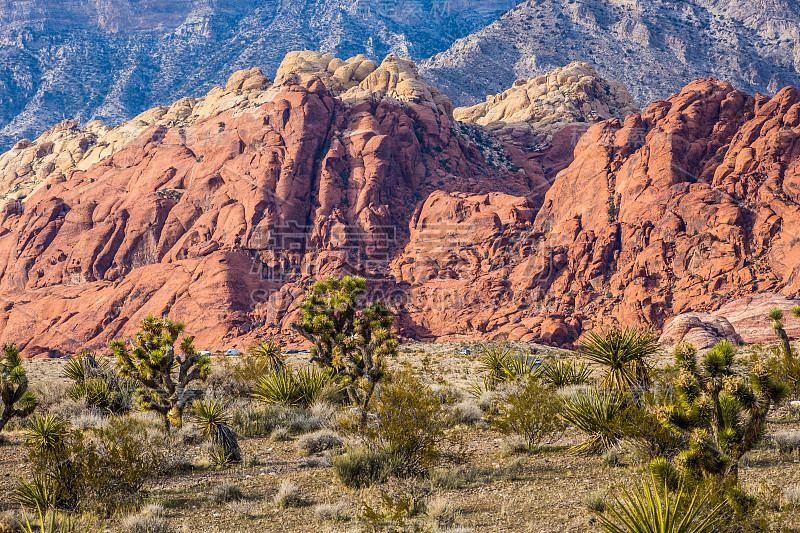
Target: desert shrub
(597, 414)
(317, 442)
(89, 419)
(562, 373)
(624, 355)
(786, 441)
(163, 374)
(293, 388)
(409, 424)
(225, 493)
(242, 507)
(467, 412)
(441, 513)
(790, 497)
(353, 342)
(288, 495)
(148, 520)
(17, 400)
(649, 509)
(362, 466)
(595, 502)
(280, 434)
(335, 512)
(531, 412)
(98, 384)
(393, 512)
(98, 469)
(463, 476)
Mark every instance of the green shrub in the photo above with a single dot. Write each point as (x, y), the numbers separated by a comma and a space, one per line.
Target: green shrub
(97, 470)
(409, 424)
(531, 412)
(362, 466)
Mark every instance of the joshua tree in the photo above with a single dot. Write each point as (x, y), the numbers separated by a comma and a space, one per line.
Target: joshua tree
(624, 354)
(164, 374)
(776, 315)
(17, 400)
(353, 342)
(722, 415)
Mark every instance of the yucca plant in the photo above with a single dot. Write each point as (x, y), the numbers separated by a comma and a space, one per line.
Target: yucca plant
(562, 373)
(501, 364)
(787, 365)
(34, 494)
(212, 419)
(596, 413)
(645, 510)
(624, 354)
(17, 400)
(48, 522)
(292, 388)
(279, 387)
(97, 382)
(269, 355)
(45, 434)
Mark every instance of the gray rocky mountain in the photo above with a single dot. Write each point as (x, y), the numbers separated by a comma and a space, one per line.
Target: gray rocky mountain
(654, 47)
(111, 60)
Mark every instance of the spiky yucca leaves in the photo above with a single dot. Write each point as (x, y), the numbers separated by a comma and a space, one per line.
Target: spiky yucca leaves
(501, 364)
(646, 510)
(787, 366)
(353, 342)
(722, 415)
(269, 355)
(213, 420)
(164, 374)
(623, 353)
(563, 372)
(97, 382)
(292, 388)
(596, 413)
(17, 400)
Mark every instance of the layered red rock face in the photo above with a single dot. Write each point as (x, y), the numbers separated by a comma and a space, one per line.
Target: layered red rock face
(684, 207)
(208, 224)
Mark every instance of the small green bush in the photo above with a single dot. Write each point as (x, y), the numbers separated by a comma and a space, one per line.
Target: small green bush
(533, 413)
(362, 466)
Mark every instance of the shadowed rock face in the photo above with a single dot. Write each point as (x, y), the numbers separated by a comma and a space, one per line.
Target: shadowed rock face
(222, 221)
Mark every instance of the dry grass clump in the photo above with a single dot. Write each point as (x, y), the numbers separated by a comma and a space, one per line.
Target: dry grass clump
(242, 508)
(288, 495)
(148, 520)
(467, 412)
(441, 513)
(333, 512)
(790, 497)
(786, 441)
(225, 493)
(319, 441)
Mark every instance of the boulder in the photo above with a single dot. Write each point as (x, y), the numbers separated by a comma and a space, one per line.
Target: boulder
(701, 330)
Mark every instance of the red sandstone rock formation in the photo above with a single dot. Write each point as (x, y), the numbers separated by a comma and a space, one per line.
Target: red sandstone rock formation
(224, 223)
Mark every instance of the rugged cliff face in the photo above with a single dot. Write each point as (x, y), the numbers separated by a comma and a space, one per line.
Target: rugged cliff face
(654, 47)
(209, 221)
(221, 211)
(113, 60)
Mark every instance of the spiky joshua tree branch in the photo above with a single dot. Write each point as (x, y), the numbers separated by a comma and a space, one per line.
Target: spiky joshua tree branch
(164, 374)
(17, 400)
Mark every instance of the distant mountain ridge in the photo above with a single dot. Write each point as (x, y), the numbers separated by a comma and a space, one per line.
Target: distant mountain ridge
(112, 60)
(654, 47)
